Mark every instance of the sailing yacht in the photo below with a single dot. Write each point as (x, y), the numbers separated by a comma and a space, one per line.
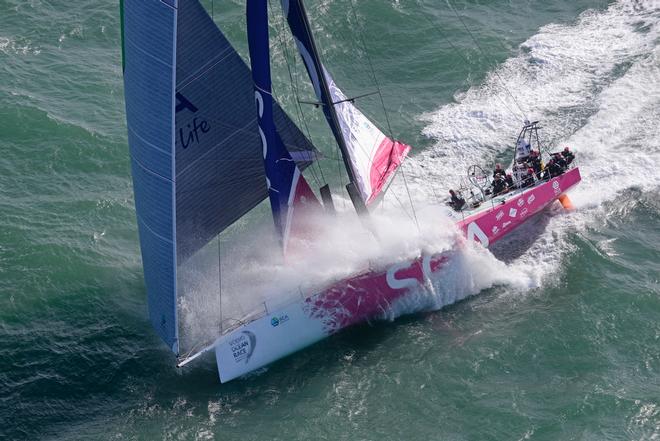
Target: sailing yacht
(208, 143)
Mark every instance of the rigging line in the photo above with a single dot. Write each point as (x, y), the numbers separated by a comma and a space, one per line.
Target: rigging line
(412, 205)
(486, 57)
(382, 102)
(295, 86)
(301, 117)
(371, 67)
(467, 62)
(403, 207)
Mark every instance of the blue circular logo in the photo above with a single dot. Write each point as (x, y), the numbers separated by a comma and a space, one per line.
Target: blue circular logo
(274, 321)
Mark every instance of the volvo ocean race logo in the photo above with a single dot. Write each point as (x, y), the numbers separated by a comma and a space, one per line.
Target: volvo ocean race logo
(194, 130)
(242, 346)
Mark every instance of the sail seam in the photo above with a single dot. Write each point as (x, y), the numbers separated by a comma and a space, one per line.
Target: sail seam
(148, 170)
(213, 149)
(169, 6)
(153, 57)
(146, 225)
(153, 146)
(204, 69)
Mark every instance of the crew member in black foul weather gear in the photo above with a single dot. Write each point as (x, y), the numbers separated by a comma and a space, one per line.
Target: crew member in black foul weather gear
(456, 202)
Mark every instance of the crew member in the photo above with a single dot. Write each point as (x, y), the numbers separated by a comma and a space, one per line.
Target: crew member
(499, 185)
(519, 173)
(498, 171)
(528, 180)
(553, 169)
(535, 162)
(508, 180)
(568, 156)
(456, 202)
(560, 161)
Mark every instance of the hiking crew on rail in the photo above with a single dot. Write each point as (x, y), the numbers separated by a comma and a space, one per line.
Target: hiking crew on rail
(527, 170)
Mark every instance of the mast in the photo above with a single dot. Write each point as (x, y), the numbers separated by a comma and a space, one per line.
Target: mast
(329, 106)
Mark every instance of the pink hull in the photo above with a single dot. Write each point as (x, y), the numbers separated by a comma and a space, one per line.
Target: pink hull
(494, 223)
(369, 296)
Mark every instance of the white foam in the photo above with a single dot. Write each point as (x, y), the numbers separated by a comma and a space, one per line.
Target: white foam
(594, 84)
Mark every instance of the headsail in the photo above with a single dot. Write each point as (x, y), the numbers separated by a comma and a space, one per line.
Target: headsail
(370, 157)
(195, 148)
(374, 157)
(287, 187)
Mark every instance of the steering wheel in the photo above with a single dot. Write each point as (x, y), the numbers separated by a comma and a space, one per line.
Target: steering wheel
(477, 176)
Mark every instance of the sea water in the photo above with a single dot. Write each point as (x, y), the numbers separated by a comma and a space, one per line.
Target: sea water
(562, 340)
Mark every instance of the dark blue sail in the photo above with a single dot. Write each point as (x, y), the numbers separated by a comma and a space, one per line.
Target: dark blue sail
(196, 153)
(149, 48)
(283, 177)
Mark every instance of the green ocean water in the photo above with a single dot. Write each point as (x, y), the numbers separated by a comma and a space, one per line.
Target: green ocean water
(565, 347)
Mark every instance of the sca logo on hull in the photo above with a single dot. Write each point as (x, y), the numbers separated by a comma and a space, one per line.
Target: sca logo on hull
(278, 320)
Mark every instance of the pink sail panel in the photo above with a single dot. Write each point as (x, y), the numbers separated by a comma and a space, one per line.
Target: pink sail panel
(389, 156)
(373, 157)
(302, 206)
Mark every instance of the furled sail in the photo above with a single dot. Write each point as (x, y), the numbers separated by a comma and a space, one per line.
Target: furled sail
(196, 153)
(370, 156)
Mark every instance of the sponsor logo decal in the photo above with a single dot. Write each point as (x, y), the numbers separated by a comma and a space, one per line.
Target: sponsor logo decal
(276, 321)
(242, 346)
(521, 202)
(194, 130)
(523, 212)
(428, 268)
(556, 188)
(499, 215)
(513, 212)
(531, 199)
(506, 224)
(495, 229)
(475, 233)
